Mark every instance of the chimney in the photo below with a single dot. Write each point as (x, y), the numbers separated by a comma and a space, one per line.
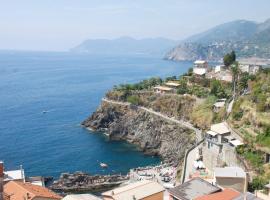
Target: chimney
(1, 180)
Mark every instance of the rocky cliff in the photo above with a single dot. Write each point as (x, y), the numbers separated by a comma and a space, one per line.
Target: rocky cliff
(246, 38)
(152, 134)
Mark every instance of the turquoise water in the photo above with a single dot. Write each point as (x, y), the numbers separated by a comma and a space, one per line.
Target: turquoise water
(70, 88)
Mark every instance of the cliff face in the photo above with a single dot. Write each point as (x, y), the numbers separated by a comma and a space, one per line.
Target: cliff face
(154, 135)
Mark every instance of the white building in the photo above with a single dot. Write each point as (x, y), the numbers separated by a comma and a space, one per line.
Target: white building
(200, 67)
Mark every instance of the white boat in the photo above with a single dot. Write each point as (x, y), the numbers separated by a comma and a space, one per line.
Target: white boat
(103, 165)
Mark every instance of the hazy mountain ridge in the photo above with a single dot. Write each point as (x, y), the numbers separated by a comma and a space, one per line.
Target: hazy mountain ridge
(247, 38)
(126, 45)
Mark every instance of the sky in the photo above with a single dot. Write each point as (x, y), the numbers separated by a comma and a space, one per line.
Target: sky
(58, 25)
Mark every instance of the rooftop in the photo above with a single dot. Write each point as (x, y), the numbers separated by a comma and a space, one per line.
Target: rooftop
(198, 62)
(81, 197)
(236, 142)
(14, 175)
(163, 88)
(139, 190)
(220, 128)
(249, 196)
(226, 194)
(268, 185)
(17, 187)
(172, 84)
(232, 172)
(193, 188)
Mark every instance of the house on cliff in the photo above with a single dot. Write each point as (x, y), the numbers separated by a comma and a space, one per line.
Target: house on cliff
(200, 67)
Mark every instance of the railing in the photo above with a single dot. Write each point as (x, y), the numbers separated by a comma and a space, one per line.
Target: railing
(185, 159)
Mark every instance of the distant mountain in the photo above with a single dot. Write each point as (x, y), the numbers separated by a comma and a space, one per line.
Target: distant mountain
(126, 45)
(247, 38)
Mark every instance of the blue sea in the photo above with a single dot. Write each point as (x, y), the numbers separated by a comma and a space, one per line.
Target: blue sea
(69, 87)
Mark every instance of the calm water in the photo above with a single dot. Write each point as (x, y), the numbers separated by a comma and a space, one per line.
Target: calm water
(70, 88)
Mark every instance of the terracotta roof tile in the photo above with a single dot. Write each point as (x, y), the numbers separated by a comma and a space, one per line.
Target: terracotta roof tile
(226, 194)
(38, 191)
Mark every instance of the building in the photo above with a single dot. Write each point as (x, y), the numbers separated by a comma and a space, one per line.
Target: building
(219, 68)
(172, 84)
(81, 197)
(265, 195)
(14, 175)
(247, 196)
(220, 103)
(192, 189)
(1, 180)
(16, 190)
(162, 89)
(216, 136)
(222, 75)
(252, 65)
(200, 67)
(231, 177)
(226, 194)
(141, 190)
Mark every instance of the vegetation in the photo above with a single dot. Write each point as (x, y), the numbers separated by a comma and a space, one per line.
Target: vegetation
(145, 84)
(135, 100)
(217, 89)
(202, 115)
(229, 59)
(257, 183)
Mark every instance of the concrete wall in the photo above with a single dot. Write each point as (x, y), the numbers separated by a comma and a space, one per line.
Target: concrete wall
(235, 183)
(212, 158)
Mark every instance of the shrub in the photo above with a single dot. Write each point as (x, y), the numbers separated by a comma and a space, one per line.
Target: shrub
(257, 183)
(135, 100)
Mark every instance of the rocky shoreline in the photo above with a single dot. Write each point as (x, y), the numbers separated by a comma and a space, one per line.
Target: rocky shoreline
(83, 182)
(152, 134)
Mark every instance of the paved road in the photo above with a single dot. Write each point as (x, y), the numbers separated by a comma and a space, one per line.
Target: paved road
(180, 122)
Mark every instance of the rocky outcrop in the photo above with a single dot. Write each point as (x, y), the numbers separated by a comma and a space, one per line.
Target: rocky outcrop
(154, 135)
(83, 182)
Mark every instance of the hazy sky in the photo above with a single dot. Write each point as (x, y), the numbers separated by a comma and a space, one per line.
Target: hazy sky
(61, 24)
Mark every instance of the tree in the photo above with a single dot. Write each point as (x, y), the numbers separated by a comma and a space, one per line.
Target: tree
(235, 71)
(217, 89)
(229, 59)
(183, 89)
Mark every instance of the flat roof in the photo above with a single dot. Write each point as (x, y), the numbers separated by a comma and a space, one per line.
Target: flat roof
(139, 190)
(163, 88)
(229, 172)
(193, 188)
(172, 84)
(81, 197)
(268, 185)
(248, 196)
(220, 128)
(197, 62)
(212, 133)
(236, 142)
(14, 175)
(219, 104)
